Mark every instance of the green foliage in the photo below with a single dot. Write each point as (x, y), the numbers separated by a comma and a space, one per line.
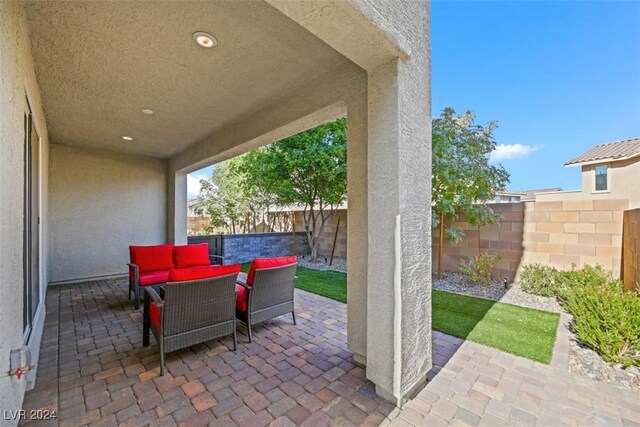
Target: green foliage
(233, 201)
(539, 279)
(605, 317)
(308, 169)
(463, 179)
(548, 281)
(479, 268)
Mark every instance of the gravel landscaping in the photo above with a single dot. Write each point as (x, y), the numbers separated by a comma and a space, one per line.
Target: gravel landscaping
(457, 282)
(339, 264)
(586, 362)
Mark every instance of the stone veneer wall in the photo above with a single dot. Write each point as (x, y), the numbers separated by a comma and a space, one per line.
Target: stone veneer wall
(631, 250)
(239, 248)
(559, 233)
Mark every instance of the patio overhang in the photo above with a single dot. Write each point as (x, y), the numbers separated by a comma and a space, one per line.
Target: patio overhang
(279, 68)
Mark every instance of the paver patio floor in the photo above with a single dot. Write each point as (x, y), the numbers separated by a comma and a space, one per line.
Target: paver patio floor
(93, 370)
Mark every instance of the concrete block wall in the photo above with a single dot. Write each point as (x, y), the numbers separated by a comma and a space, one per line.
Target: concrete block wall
(574, 232)
(328, 234)
(631, 250)
(505, 239)
(557, 233)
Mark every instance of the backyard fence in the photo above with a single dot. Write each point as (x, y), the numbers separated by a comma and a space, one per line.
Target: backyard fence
(562, 234)
(631, 250)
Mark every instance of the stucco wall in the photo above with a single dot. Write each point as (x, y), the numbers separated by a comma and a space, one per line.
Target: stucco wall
(100, 204)
(17, 80)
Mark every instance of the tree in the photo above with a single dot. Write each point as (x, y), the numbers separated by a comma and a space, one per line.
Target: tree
(309, 170)
(463, 180)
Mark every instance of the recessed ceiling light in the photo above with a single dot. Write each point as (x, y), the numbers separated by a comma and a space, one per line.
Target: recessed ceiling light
(205, 39)
(147, 111)
(127, 138)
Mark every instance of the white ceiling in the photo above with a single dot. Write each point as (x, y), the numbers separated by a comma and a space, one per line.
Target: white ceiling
(99, 63)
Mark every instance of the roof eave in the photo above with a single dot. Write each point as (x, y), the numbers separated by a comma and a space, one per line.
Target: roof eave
(607, 160)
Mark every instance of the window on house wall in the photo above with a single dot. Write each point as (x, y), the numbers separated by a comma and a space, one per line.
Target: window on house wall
(602, 173)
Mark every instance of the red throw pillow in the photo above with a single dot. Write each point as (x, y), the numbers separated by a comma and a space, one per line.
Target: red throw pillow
(191, 255)
(152, 258)
(197, 273)
(269, 263)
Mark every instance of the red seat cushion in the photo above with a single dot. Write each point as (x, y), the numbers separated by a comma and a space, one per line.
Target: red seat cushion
(242, 300)
(154, 278)
(197, 273)
(152, 258)
(269, 263)
(191, 255)
(154, 315)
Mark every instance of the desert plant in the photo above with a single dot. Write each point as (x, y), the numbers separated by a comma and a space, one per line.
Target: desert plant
(539, 279)
(606, 319)
(547, 281)
(479, 268)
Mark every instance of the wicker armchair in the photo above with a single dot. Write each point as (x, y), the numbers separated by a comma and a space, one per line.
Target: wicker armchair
(192, 312)
(268, 296)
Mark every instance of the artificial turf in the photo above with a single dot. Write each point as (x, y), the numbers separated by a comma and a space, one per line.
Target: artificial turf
(517, 330)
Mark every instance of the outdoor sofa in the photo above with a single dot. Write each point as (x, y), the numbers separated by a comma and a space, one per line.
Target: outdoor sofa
(150, 265)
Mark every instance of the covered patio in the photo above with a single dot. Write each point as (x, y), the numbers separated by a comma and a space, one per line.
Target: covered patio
(106, 109)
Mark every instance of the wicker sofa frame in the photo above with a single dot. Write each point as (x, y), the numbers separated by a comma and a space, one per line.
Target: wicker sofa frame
(192, 312)
(270, 295)
(134, 279)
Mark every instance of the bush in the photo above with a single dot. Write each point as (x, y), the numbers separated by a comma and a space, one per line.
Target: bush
(539, 279)
(480, 267)
(547, 281)
(607, 319)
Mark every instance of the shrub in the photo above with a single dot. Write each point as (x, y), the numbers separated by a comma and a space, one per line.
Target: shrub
(539, 279)
(547, 281)
(607, 319)
(480, 267)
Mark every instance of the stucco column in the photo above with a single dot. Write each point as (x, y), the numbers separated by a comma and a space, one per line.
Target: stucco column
(399, 181)
(357, 219)
(177, 208)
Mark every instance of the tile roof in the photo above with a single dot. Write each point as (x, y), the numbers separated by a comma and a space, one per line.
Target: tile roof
(617, 150)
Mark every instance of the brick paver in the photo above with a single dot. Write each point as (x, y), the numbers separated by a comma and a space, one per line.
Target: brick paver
(93, 370)
(478, 385)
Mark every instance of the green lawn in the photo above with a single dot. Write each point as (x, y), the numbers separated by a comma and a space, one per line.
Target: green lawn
(330, 284)
(517, 330)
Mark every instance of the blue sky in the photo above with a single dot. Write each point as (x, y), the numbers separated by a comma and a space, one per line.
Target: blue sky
(558, 77)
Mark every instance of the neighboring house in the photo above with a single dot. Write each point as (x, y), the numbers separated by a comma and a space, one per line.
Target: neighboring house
(609, 171)
(194, 209)
(522, 195)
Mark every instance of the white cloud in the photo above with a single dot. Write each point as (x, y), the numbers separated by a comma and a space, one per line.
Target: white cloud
(512, 151)
(193, 185)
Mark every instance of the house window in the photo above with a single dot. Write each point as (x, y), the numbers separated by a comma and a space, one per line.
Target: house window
(601, 177)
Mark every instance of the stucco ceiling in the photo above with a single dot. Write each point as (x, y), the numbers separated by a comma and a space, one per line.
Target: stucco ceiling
(99, 63)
